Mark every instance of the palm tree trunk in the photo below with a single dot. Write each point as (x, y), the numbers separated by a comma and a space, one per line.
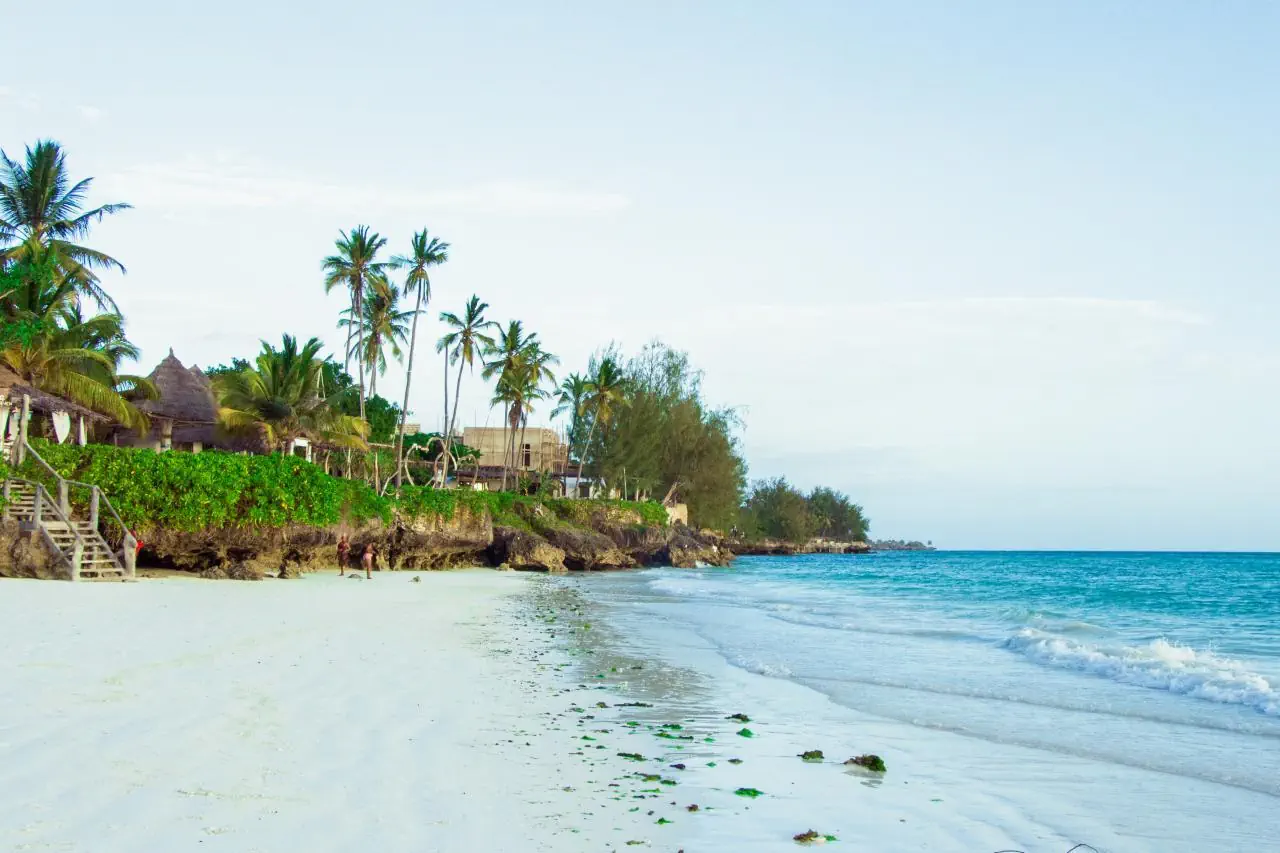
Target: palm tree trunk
(457, 392)
(358, 312)
(582, 463)
(504, 446)
(408, 375)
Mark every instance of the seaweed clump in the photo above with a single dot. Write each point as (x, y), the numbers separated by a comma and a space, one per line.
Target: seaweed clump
(741, 718)
(812, 837)
(748, 792)
(812, 755)
(869, 761)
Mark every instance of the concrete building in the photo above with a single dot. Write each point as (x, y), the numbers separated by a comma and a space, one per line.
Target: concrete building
(541, 450)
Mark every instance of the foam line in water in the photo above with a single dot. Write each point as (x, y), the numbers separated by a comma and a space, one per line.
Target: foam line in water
(1158, 665)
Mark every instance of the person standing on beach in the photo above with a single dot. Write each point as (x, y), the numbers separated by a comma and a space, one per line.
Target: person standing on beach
(369, 554)
(344, 553)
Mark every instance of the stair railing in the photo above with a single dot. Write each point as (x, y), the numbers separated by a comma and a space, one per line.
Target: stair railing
(127, 557)
(45, 506)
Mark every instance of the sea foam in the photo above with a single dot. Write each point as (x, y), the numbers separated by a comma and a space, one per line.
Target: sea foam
(1158, 665)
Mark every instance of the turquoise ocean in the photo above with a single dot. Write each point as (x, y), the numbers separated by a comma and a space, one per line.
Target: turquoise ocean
(1164, 662)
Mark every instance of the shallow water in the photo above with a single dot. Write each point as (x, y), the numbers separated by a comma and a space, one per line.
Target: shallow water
(1164, 663)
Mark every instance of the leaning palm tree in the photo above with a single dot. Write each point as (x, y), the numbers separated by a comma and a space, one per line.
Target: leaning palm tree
(279, 399)
(503, 361)
(356, 267)
(386, 327)
(42, 210)
(467, 339)
(606, 392)
(426, 252)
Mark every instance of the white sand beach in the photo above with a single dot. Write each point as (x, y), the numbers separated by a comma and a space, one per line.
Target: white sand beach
(321, 714)
(472, 710)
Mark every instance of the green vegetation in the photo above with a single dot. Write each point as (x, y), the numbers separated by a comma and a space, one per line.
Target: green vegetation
(870, 762)
(192, 492)
(811, 755)
(777, 510)
(643, 427)
(638, 427)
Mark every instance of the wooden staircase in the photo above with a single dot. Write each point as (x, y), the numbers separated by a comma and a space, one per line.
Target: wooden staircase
(76, 544)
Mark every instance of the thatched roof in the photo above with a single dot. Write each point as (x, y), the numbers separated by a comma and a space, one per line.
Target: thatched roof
(186, 394)
(13, 386)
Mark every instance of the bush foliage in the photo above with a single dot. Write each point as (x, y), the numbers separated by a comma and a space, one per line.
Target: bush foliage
(190, 492)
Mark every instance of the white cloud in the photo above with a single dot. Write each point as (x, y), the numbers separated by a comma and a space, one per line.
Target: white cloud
(227, 181)
(11, 97)
(90, 114)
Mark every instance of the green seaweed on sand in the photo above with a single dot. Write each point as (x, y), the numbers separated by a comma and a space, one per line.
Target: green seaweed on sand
(812, 755)
(741, 718)
(649, 777)
(675, 727)
(812, 837)
(662, 821)
(691, 808)
(632, 724)
(631, 756)
(677, 766)
(735, 760)
(746, 733)
(748, 792)
(869, 761)
(602, 704)
(634, 705)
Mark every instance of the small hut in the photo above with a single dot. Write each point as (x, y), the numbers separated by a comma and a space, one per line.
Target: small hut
(60, 420)
(184, 417)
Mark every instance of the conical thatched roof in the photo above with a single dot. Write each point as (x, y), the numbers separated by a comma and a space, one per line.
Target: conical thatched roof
(186, 394)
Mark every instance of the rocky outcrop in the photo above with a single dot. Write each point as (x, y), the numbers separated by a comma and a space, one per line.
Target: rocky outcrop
(781, 548)
(248, 552)
(687, 549)
(23, 555)
(587, 550)
(523, 550)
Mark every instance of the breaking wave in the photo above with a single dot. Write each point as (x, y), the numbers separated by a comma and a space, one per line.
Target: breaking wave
(1158, 665)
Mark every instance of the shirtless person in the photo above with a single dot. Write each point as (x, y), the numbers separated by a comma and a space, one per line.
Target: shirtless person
(370, 552)
(344, 553)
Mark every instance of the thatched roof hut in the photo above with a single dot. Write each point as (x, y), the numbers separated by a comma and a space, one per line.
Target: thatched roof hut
(13, 386)
(185, 415)
(186, 395)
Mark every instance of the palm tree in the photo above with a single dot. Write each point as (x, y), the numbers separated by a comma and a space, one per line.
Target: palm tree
(42, 211)
(572, 400)
(468, 339)
(356, 267)
(426, 252)
(606, 392)
(534, 369)
(385, 327)
(65, 363)
(503, 363)
(279, 398)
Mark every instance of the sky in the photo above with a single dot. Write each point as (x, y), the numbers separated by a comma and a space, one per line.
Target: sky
(1003, 272)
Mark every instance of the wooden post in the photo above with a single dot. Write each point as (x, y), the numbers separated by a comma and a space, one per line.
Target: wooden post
(94, 497)
(38, 508)
(82, 434)
(77, 558)
(64, 497)
(5, 492)
(130, 555)
(20, 447)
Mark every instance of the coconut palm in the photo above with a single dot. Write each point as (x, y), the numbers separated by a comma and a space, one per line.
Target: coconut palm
(606, 393)
(386, 327)
(279, 399)
(65, 363)
(532, 372)
(41, 210)
(467, 340)
(426, 252)
(356, 267)
(572, 400)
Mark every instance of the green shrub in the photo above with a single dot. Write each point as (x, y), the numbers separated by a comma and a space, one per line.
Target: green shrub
(186, 491)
